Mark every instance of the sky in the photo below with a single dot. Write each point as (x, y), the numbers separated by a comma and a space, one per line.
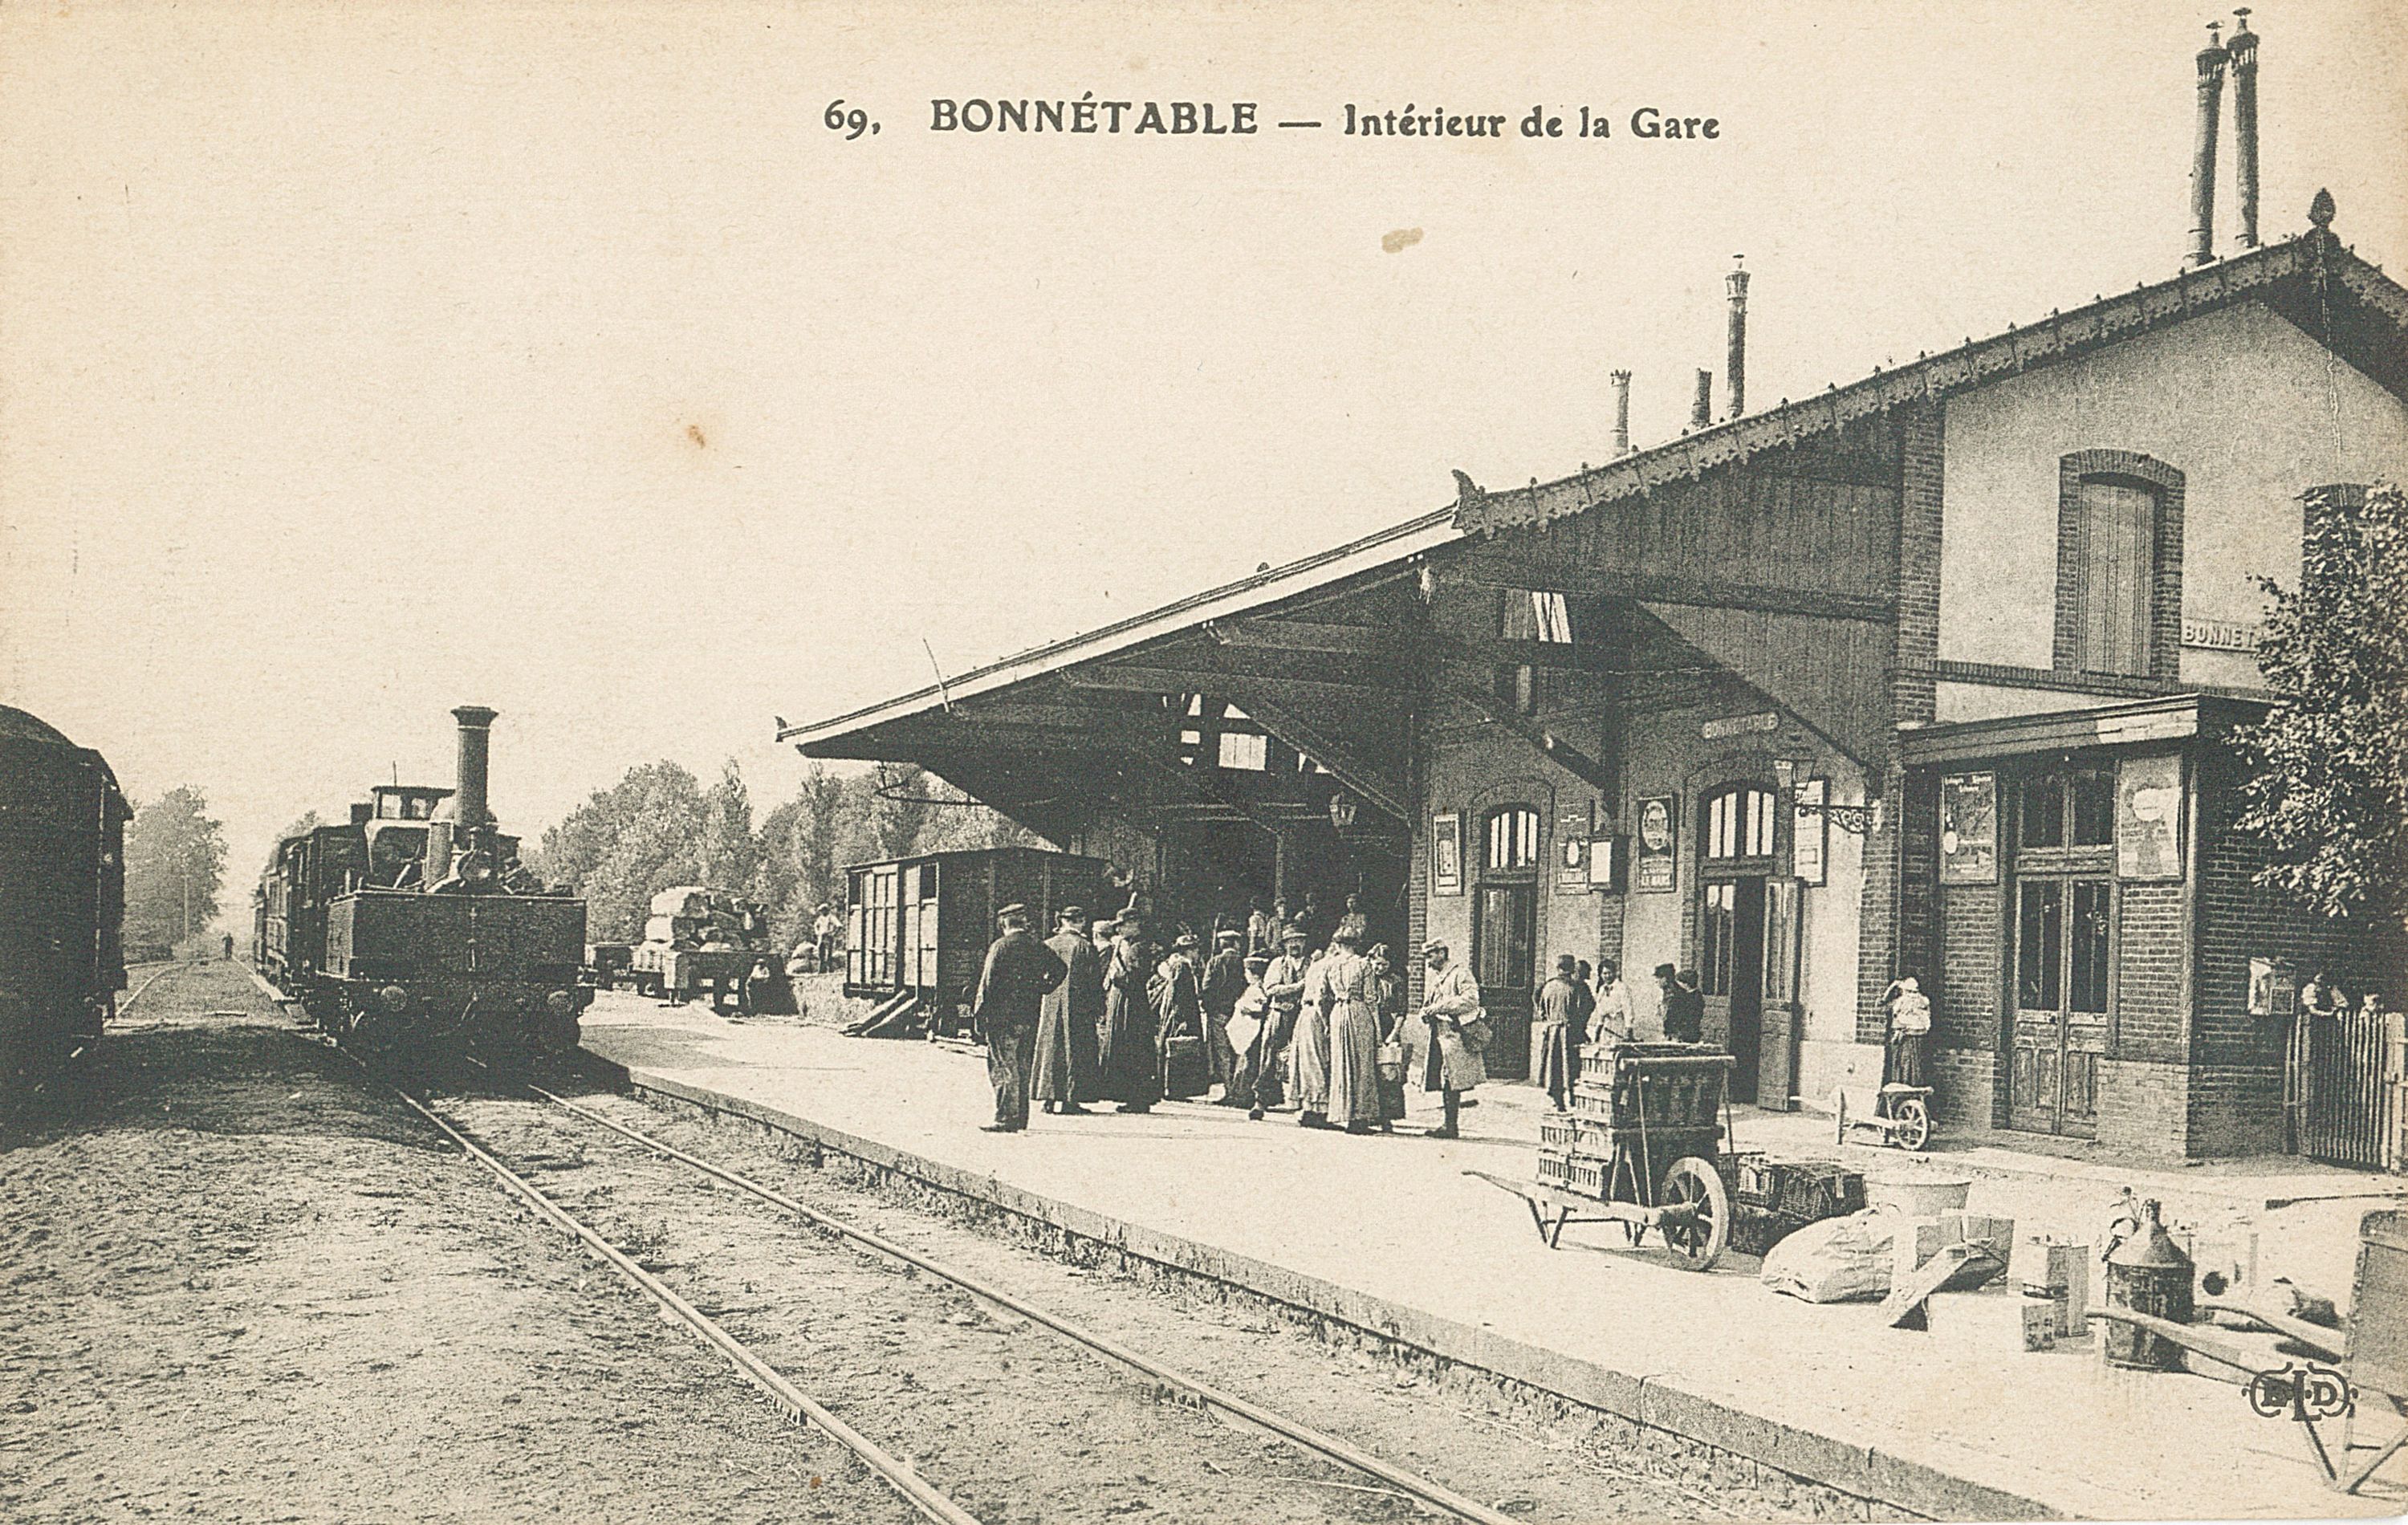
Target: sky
(359, 361)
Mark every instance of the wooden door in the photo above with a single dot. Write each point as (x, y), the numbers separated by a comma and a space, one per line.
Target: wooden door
(1504, 955)
(1783, 1014)
(2064, 951)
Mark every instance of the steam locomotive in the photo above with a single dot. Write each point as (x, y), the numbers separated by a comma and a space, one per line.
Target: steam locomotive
(62, 904)
(411, 931)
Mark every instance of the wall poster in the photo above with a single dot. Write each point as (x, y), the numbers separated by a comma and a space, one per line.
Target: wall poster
(1969, 828)
(1446, 853)
(1810, 832)
(1654, 862)
(2148, 817)
(1571, 864)
(2273, 987)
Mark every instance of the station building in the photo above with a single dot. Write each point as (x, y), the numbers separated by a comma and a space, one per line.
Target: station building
(1933, 673)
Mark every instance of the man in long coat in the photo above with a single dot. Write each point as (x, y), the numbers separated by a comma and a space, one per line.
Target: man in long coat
(1068, 1071)
(1224, 981)
(1019, 971)
(1132, 1063)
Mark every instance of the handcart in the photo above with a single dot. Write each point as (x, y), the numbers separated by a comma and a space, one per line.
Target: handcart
(1646, 1145)
(1900, 1115)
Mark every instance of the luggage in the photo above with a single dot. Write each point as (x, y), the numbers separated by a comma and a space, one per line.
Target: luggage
(1185, 1069)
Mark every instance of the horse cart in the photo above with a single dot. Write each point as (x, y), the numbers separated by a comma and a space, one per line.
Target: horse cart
(1646, 1145)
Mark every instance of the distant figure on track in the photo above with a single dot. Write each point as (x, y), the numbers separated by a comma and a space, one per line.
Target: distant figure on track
(229, 947)
(1019, 971)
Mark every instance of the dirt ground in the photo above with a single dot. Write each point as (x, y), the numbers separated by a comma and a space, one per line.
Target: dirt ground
(244, 1287)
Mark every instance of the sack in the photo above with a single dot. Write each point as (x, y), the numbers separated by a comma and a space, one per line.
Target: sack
(1836, 1260)
(1476, 1034)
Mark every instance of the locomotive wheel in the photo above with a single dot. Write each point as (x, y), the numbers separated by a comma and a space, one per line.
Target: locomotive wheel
(1697, 1236)
(1914, 1119)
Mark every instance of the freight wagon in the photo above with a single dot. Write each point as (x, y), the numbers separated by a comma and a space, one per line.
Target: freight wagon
(917, 929)
(61, 903)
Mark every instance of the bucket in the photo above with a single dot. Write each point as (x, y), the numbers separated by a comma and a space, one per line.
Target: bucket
(1917, 1196)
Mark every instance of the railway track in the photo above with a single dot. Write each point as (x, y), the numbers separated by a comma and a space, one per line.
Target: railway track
(1400, 1486)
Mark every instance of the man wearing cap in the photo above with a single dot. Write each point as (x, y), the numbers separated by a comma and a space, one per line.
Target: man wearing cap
(1224, 981)
(1684, 1009)
(1458, 1031)
(1019, 971)
(1066, 1071)
(1553, 1013)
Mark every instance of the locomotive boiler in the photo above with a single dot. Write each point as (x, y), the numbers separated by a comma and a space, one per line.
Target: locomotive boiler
(411, 931)
(62, 904)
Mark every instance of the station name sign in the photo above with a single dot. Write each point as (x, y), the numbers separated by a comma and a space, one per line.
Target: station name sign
(1731, 726)
(2220, 635)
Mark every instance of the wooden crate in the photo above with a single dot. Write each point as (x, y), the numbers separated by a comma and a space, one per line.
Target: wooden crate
(1556, 1168)
(1557, 1130)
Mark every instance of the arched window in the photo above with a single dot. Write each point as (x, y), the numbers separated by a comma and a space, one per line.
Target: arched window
(1739, 822)
(1512, 839)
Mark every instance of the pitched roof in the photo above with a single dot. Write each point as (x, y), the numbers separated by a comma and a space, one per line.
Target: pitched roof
(2340, 299)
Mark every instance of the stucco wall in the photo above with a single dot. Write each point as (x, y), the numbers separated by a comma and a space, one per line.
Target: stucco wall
(2250, 409)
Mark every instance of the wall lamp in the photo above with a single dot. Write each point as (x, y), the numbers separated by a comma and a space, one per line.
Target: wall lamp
(1855, 819)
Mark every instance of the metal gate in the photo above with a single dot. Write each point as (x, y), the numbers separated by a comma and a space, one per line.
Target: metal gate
(2344, 1084)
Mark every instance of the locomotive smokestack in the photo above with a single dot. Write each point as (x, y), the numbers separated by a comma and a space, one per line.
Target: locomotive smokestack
(476, 738)
(1735, 353)
(1621, 412)
(2212, 59)
(2243, 51)
(1702, 412)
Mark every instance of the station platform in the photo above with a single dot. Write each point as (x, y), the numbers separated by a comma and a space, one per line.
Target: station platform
(1388, 1234)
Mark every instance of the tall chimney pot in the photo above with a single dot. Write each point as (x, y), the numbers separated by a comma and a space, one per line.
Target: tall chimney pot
(1701, 415)
(1621, 412)
(2243, 50)
(476, 738)
(1735, 353)
(2212, 60)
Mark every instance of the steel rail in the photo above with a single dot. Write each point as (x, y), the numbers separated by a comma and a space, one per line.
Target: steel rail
(1291, 1430)
(156, 975)
(914, 1489)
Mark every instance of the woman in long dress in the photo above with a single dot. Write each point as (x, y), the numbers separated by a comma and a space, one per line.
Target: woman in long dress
(1308, 1051)
(1132, 1061)
(1351, 997)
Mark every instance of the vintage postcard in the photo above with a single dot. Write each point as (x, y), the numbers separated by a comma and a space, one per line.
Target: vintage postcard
(1203, 761)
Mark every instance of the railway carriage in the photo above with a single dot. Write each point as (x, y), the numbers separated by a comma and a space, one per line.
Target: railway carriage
(62, 903)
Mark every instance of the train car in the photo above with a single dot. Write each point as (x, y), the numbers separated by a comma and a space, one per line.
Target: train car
(411, 931)
(921, 926)
(61, 903)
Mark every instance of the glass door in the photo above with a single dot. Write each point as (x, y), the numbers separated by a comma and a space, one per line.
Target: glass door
(1504, 952)
(2064, 930)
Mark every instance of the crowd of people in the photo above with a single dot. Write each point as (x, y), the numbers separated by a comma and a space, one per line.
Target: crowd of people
(1293, 1013)
(1301, 1015)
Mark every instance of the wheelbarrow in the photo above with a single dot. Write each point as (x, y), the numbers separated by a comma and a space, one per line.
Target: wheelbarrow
(1901, 1116)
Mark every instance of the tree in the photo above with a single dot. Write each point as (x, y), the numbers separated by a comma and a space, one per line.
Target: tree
(174, 864)
(801, 843)
(729, 851)
(899, 809)
(2330, 795)
(964, 824)
(626, 844)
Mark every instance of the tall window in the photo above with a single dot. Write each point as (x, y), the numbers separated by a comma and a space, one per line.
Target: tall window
(1513, 839)
(2119, 531)
(1535, 615)
(1717, 938)
(2119, 564)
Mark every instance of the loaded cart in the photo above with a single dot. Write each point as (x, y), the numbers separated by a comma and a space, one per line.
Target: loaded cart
(1646, 1145)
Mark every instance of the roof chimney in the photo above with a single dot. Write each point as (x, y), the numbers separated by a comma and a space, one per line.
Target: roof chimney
(2244, 53)
(2202, 165)
(1621, 412)
(1734, 354)
(476, 736)
(1701, 415)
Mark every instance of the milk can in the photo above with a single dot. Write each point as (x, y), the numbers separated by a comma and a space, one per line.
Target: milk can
(2147, 1273)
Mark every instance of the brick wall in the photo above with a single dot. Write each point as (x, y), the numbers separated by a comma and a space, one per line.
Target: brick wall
(1922, 440)
(2152, 955)
(1969, 1086)
(2236, 1110)
(2143, 1108)
(1972, 946)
